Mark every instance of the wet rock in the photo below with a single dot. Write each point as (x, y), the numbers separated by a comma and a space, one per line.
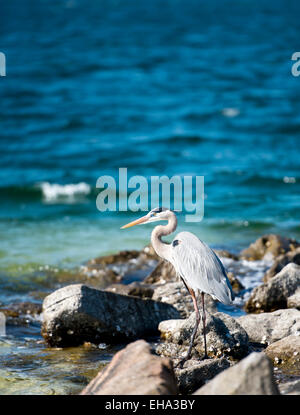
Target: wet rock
(137, 289)
(135, 371)
(251, 376)
(268, 245)
(224, 336)
(162, 273)
(281, 262)
(22, 308)
(286, 353)
(122, 256)
(127, 265)
(274, 294)
(176, 294)
(267, 328)
(77, 313)
(236, 285)
(98, 277)
(290, 388)
(195, 373)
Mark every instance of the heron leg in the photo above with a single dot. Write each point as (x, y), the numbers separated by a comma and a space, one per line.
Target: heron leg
(188, 355)
(204, 325)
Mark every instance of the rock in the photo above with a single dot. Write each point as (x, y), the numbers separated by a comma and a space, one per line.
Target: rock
(268, 245)
(286, 353)
(127, 265)
(294, 300)
(137, 289)
(251, 376)
(290, 388)
(176, 294)
(162, 273)
(195, 373)
(281, 262)
(135, 371)
(224, 336)
(122, 256)
(22, 308)
(223, 253)
(274, 294)
(236, 285)
(267, 328)
(77, 313)
(21, 314)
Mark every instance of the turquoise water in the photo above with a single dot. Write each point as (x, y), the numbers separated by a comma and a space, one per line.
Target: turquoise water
(167, 88)
(177, 87)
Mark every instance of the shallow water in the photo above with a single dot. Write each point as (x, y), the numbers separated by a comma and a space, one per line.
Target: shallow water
(162, 88)
(26, 364)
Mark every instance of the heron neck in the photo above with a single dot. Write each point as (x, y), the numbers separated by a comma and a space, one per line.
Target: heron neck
(161, 248)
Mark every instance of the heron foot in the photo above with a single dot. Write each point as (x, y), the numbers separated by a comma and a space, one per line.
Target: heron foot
(182, 361)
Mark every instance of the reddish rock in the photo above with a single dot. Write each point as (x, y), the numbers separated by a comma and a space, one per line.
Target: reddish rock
(135, 371)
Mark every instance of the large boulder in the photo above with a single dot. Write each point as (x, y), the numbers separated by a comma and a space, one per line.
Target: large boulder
(77, 313)
(267, 328)
(224, 336)
(281, 261)
(274, 294)
(270, 246)
(134, 371)
(251, 376)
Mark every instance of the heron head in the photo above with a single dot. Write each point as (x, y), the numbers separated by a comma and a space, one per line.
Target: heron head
(154, 215)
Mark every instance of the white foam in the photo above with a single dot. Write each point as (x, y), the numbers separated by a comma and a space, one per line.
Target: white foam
(54, 191)
(230, 112)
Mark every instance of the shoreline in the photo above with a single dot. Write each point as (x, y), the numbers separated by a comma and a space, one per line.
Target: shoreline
(110, 273)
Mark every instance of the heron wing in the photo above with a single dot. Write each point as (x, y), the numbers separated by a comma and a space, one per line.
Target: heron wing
(200, 267)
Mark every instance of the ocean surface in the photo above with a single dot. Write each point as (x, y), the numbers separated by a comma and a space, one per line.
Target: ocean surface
(167, 87)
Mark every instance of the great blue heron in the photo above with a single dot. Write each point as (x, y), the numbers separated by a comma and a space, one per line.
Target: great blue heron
(196, 263)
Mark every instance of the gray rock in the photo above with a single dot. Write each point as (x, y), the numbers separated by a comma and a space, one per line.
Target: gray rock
(134, 371)
(175, 293)
(273, 295)
(251, 376)
(195, 373)
(162, 273)
(224, 336)
(281, 261)
(76, 313)
(267, 328)
(290, 388)
(294, 300)
(286, 353)
(137, 289)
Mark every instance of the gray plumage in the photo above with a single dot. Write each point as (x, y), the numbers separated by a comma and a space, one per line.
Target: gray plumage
(200, 267)
(195, 262)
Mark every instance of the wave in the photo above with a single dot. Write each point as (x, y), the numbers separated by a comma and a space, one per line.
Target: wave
(53, 191)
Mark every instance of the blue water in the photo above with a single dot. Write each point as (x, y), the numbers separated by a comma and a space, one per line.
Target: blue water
(162, 87)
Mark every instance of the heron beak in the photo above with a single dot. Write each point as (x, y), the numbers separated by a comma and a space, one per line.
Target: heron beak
(135, 222)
